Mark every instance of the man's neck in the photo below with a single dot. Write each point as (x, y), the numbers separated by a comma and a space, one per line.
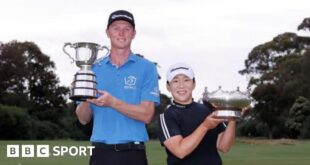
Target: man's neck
(119, 56)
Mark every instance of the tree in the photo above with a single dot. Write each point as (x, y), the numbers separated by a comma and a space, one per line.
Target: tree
(28, 82)
(305, 25)
(28, 73)
(15, 123)
(279, 73)
(298, 115)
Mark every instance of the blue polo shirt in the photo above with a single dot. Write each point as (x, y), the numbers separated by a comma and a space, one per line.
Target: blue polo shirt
(135, 81)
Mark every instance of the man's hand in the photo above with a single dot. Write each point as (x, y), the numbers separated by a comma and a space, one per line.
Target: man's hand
(105, 99)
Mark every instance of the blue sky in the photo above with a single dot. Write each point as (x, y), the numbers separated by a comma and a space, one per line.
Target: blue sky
(214, 37)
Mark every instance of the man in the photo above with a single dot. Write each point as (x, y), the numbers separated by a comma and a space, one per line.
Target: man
(128, 89)
(188, 130)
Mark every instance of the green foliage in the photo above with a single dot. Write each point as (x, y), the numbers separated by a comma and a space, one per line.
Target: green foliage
(252, 128)
(35, 103)
(279, 72)
(262, 58)
(298, 116)
(28, 72)
(45, 130)
(305, 25)
(15, 123)
(305, 131)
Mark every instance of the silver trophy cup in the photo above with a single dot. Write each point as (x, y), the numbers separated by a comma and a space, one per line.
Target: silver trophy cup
(228, 104)
(84, 82)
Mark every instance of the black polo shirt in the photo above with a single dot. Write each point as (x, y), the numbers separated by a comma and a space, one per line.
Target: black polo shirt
(183, 120)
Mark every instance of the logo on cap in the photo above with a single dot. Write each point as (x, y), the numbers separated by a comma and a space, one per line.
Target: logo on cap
(180, 68)
(120, 16)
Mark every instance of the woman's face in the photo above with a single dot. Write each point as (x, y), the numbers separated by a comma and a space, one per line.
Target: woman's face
(181, 88)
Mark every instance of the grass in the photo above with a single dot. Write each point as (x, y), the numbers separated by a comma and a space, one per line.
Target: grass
(245, 151)
(269, 152)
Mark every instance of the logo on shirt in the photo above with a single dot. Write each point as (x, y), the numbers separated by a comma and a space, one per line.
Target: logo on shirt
(130, 82)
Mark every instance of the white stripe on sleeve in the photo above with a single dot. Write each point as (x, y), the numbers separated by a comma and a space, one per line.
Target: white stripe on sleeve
(164, 126)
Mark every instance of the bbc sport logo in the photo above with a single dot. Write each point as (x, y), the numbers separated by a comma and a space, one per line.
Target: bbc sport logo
(43, 151)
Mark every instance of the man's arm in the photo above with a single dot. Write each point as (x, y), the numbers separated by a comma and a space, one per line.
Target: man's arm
(84, 113)
(142, 112)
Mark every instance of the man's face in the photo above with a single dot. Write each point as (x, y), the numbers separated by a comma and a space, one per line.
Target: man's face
(121, 34)
(181, 88)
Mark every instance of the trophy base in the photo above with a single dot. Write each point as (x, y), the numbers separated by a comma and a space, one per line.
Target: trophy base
(81, 94)
(227, 114)
(81, 98)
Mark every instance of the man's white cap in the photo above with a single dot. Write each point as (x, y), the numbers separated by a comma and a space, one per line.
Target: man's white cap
(180, 68)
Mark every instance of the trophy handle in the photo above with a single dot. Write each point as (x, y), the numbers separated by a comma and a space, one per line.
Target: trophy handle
(64, 50)
(104, 47)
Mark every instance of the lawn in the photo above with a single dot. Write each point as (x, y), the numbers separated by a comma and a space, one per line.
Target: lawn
(245, 151)
(268, 152)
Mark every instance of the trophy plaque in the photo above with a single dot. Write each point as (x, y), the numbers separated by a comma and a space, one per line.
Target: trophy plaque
(227, 104)
(84, 83)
